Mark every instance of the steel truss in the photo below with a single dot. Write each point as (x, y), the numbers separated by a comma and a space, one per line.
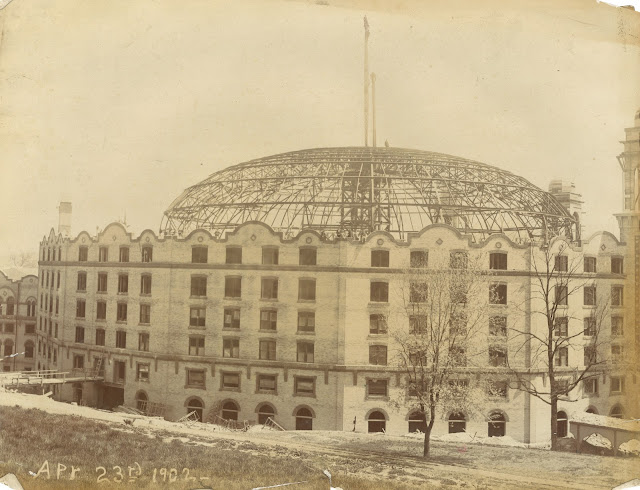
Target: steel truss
(355, 190)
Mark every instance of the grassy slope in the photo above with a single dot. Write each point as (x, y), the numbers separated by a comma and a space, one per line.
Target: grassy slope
(28, 437)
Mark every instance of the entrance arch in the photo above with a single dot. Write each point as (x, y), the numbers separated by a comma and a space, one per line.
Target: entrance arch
(376, 421)
(561, 424)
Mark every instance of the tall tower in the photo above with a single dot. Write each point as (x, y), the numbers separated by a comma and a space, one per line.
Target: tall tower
(629, 160)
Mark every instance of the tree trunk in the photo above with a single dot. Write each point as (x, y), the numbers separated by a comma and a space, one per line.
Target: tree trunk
(554, 421)
(427, 441)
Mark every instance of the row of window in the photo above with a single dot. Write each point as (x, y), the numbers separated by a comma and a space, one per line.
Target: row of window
(120, 340)
(55, 279)
(29, 328)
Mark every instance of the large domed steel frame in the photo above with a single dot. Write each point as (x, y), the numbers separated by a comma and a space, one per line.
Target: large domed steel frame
(353, 191)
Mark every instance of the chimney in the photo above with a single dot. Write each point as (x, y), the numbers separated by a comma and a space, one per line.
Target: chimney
(64, 220)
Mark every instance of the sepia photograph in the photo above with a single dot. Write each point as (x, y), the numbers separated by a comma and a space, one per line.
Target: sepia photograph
(320, 244)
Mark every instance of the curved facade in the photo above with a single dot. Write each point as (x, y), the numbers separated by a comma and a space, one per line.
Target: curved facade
(354, 191)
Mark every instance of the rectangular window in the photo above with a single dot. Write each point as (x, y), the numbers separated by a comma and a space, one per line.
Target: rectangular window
(124, 254)
(80, 335)
(102, 282)
(561, 326)
(589, 326)
(418, 259)
(100, 336)
(232, 287)
(498, 389)
(498, 294)
(305, 352)
(497, 356)
(590, 386)
(617, 384)
(80, 308)
(308, 256)
(457, 355)
(306, 321)
(616, 325)
(377, 324)
(268, 350)
(498, 326)
(145, 314)
(234, 255)
(269, 288)
(200, 255)
(142, 372)
(378, 355)
(561, 263)
(196, 346)
(590, 264)
(458, 260)
(269, 256)
(29, 328)
(498, 261)
(377, 387)
(379, 292)
(418, 292)
(230, 381)
(268, 320)
(198, 286)
(78, 361)
(119, 371)
(589, 295)
(8, 328)
(417, 324)
(147, 254)
(562, 295)
(143, 342)
(145, 284)
(307, 289)
(196, 378)
(590, 355)
(617, 293)
(617, 352)
(101, 310)
(231, 348)
(83, 254)
(561, 357)
(103, 254)
(616, 265)
(231, 318)
(121, 339)
(197, 316)
(266, 383)
(304, 386)
(123, 283)
(379, 258)
(82, 281)
(121, 315)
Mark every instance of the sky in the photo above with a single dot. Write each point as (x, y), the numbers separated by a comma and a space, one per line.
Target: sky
(118, 106)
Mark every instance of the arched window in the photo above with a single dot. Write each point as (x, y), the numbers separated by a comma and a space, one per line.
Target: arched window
(497, 424)
(377, 422)
(617, 412)
(562, 424)
(417, 422)
(28, 350)
(264, 412)
(31, 307)
(141, 401)
(195, 405)
(230, 411)
(304, 419)
(457, 423)
(8, 347)
(592, 410)
(10, 306)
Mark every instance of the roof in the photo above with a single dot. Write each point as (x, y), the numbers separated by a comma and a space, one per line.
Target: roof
(361, 189)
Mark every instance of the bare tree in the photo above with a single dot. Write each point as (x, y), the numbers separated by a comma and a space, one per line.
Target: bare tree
(444, 307)
(557, 275)
(23, 259)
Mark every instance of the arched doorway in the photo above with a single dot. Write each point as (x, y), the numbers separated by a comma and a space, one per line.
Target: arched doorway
(195, 405)
(230, 410)
(265, 411)
(417, 422)
(141, 401)
(497, 424)
(457, 423)
(617, 412)
(561, 424)
(304, 419)
(377, 422)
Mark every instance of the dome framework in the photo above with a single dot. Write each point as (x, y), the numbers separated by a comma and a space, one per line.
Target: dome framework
(353, 191)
